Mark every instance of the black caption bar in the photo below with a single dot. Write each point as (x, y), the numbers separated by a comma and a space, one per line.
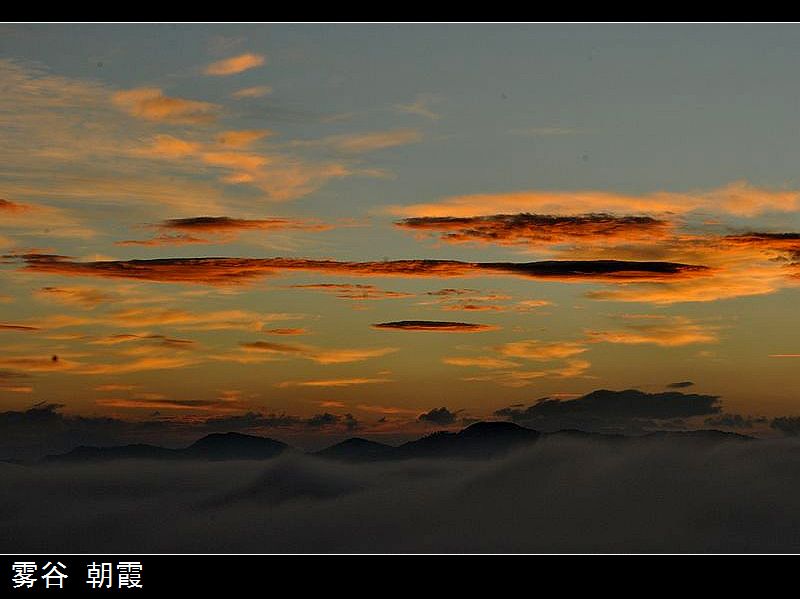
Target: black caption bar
(61, 575)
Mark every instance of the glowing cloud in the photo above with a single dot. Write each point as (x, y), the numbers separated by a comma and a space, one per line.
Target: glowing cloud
(257, 91)
(359, 143)
(737, 198)
(657, 330)
(317, 354)
(540, 350)
(354, 292)
(235, 64)
(434, 325)
(334, 382)
(539, 229)
(84, 297)
(151, 104)
(236, 271)
(242, 139)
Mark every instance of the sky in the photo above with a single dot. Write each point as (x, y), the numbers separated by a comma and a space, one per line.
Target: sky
(311, 231)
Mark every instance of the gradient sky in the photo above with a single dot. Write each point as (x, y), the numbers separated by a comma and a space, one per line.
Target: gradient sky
(670, 149)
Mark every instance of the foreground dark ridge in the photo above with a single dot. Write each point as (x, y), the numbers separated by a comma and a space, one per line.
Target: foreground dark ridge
(482, 440)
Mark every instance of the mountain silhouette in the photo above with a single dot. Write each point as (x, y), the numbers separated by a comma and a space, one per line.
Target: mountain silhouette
(357, 449)
(700, 435)
(482, 440)
(234, 446)
(217, 446)
(478, 441)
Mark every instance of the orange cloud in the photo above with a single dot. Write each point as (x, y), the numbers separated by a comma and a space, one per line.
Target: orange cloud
(480, 362)
(385, 409)
(286, 331)
(196, 321)
(8, 207)
(158, 240)
(114, 387)
(17, 327)
(224, 227)
(471, 307)
(738, 198)
(539, 229)
(84, 297)
(738, 281)
(16, 389)
(139, 365)
(334, 382)
(151, 104)
(159, 403)
(359, 143)
(532, 349)
(168, 146)
(38, 363)
(33, 218)
(159, 339)
(235, 64)
(257, 91)
(524, 378)
(434, 325)
(280, 175)
(222, 224)
(233, 271)
(787, 242)
(450, 291)
(317, 354)
(664, 331)
(242, 139)
(354, 292)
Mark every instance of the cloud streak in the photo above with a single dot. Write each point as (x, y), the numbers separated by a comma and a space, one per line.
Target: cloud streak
(233, 271)
(235, 64)
(539, 229)
(318, 354)
(438, 326)
(737, 198)
(151, 104)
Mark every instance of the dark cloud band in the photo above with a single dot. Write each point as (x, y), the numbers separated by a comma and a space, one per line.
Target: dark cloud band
(233, 271)
(434, 325)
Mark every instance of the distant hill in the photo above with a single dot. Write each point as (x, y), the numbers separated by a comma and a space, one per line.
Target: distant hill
(699, 435)
(357, 449)
(234, 446)
(482, 440)
(217, 446)
(478, 441)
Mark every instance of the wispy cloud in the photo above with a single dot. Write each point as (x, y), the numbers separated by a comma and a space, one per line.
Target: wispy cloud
(151, 104)
(421, 106)
(539, 229)
(83, 297)
(738, 198)
(235, 64)
(256, 91)
(233, 271)
(219, 229)
(358, 143)
(665, 331)
(343, 382)
(352, 291)
(318, 354)
(434, 326)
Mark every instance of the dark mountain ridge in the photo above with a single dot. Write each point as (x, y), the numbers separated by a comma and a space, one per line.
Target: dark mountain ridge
(217, 446)
(482, 440)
